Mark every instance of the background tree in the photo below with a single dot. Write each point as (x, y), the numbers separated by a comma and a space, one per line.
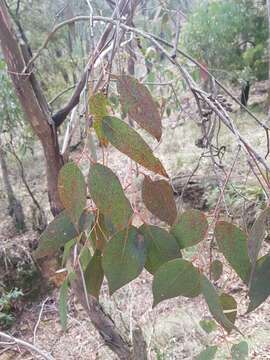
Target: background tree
(230, 39)
(9, 115)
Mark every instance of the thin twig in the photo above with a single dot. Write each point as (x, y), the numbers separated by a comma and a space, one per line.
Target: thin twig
(177, 34)
(25, 344)
(57, 96)
(39, 319)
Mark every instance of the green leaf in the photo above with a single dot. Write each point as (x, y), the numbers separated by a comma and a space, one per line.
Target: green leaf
(67, 250)
(207, 354)
(124, 258)
(161, 247)
(56, 235)
(107, 193)
(86, 221)
(229, 306)
(260, 284)
(213, 301)
(85, 257)
(137, 101)
(158, 198)
(72, 190)
(256, 236)
(232, 242)
(216, 269)
(98, 108)
(130, 143)
(94, 274)
(63, 307)
(208, 325)
(190, 228)
(240, 351)
(174, 278)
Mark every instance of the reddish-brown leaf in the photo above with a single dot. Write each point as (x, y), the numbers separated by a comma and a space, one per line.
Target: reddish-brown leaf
(158, 198)
(72, 190)
(137, 101)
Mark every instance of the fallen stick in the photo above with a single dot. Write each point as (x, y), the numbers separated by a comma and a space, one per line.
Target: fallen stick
(25, 344)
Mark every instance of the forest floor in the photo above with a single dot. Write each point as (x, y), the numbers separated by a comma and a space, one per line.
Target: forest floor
(172, 329)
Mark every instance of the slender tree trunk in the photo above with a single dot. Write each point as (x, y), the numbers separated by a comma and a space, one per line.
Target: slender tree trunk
(32, 101)
(14, 205)
(245, 93)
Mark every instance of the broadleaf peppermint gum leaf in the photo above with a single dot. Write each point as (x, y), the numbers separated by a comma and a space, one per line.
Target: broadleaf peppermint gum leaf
(214, 304)
(190, 228)
(161, 247)
(232, 242)
(176, 278)
(159, 199)
(72, 190)
(108, 195)
(129, 142)
(138, 103)
(123, 258)
(59, 232)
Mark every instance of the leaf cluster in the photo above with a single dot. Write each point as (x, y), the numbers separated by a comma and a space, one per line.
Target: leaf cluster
(101, 230)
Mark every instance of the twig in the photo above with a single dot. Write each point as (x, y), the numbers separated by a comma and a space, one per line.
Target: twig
(23, 177)
(228, 176)
(57, 96)
(217, 208)
(39, 319)
(177, 34)
(25, 344)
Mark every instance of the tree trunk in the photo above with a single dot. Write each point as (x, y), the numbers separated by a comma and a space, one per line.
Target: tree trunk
(32, 101)
(245, 93)
(15, 209)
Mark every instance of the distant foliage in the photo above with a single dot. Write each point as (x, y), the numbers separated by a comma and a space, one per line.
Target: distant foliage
(12, 124)
(229, 36)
